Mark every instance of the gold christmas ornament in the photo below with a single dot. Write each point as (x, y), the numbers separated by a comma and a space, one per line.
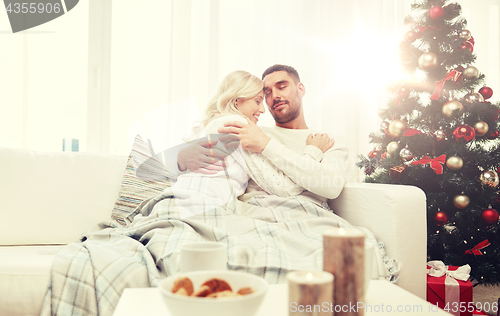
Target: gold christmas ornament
(427, 61)
(489, 178)
(461, 201)
(397, 128)
(451, 106)
(481, 128)
(470, 72)
(454, 163)
(473, 97)
(465, 34)
(392, 149)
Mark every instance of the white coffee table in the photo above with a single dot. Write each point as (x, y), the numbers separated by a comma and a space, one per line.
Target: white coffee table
(383, 297)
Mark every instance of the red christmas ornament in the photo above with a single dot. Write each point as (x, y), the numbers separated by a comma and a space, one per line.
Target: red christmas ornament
(411, 36)
(465, 131)
(467, 46)
(436, 12)
(486, 92)
(403, 92)
(441, 218)
(374, 154)
(489, 216)
(492, 135)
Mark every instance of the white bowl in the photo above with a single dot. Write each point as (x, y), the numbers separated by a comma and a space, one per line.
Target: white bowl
(244, 305)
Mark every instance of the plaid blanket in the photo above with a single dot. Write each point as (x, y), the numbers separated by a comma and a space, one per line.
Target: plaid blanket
(268, 236)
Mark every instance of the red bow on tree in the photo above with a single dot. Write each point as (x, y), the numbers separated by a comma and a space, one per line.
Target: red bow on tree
(475, 251)
(411, 132)
(453, 75)
(436, 163)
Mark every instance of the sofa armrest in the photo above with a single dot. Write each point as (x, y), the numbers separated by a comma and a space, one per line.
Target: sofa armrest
(396, 214)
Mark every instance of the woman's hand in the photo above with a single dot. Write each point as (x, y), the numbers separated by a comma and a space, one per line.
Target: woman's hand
(322, 141)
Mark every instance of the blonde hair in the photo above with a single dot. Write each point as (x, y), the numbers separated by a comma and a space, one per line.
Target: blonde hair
(237, 85)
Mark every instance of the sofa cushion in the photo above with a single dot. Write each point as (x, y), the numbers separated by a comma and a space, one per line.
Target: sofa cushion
(53, 197)
(139, 185)
(24, 276)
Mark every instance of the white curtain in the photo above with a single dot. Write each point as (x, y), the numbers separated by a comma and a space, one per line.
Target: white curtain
(167, 57)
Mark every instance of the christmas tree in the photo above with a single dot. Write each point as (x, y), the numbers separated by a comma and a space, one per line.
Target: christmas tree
(439, 133)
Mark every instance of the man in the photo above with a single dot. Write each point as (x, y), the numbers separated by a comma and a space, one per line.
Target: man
(291, 144)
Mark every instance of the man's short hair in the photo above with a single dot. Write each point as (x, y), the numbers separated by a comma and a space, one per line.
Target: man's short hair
(289, 69)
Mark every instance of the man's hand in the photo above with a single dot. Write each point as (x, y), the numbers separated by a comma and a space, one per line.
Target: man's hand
(322, 141)
(252, 138)
(201, 157)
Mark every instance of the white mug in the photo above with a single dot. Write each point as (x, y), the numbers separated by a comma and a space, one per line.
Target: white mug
(369, 253)
(205, 255)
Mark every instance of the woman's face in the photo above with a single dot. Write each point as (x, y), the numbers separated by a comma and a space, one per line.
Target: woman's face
(252, 108)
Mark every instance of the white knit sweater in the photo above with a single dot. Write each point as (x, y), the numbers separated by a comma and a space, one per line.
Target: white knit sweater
(321, 175)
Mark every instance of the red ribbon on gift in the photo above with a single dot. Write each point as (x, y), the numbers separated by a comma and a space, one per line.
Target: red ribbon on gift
(436, 163)
(452, 75)
(475, 251)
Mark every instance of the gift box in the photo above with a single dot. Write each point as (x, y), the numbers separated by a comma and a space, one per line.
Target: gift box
(478, 312)
(450, 288)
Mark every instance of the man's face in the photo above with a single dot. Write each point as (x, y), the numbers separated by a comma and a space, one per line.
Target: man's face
(283, 96)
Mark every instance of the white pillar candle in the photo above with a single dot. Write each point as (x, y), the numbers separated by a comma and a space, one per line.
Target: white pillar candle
(310, 293)
(344, 257)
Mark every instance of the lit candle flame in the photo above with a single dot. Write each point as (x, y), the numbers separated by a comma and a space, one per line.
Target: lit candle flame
(309, 276)
(341, 231)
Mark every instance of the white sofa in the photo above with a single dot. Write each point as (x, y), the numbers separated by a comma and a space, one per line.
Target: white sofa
(49, 199)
